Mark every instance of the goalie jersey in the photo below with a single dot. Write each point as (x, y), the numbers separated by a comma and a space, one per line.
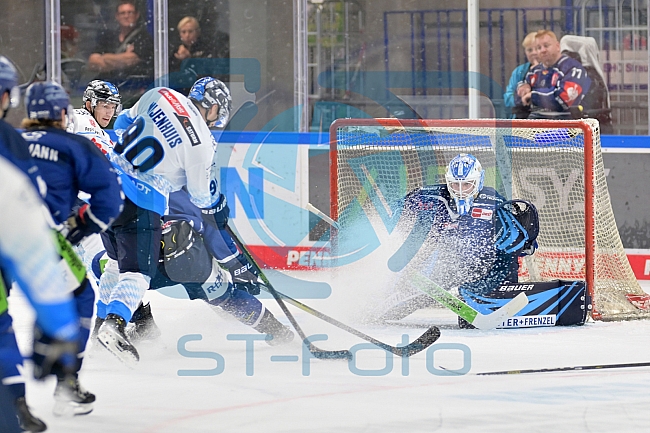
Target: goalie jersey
(455, 250)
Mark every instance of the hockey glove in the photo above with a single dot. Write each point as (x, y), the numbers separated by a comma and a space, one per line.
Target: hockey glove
(81, 224)
(53, 356)
(177, 238)
(517, 227)
(244, 275)
(219, 212)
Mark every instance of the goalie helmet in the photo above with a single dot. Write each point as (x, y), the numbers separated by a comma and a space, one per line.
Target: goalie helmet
(209, 91)
(464, 179)
(46, 100)
(98, 90)
(9, 81)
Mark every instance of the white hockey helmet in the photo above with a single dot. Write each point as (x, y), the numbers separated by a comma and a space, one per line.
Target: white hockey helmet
(464, 179)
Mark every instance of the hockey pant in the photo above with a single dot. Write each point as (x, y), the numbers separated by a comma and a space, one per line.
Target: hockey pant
(133, 245)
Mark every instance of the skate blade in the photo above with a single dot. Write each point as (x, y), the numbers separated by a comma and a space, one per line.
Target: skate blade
(140, 336)
(68, 408)
(128, 355)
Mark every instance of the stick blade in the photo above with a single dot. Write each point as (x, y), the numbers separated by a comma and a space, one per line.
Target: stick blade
(423, 341)
(494, 319)
(331, 354)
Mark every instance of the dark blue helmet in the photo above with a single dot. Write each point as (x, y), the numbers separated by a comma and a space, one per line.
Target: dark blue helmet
(45, 100)
(9, 80)
(209, 91)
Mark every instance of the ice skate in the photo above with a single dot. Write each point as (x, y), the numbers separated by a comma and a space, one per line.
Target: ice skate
(96, 326)
(112, 336)
(26, 420)
(71, 399)
(144, 327)
(276, 332)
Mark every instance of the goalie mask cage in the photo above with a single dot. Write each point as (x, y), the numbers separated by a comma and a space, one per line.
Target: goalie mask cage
(555, 164)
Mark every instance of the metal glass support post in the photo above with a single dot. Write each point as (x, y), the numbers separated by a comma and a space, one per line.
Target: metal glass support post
(473, 59)
(300, 87)
(160, 43)
(53, 40)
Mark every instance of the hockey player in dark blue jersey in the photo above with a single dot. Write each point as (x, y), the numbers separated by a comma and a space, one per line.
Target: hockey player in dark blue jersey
(556, 84)
(12, 145)
(28, 256)
(70, 164)
(465, 236)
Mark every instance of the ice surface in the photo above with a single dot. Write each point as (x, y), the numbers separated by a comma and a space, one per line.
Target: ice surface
(281, 395)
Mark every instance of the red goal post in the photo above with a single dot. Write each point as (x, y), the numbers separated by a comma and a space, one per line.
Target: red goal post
(556, 164)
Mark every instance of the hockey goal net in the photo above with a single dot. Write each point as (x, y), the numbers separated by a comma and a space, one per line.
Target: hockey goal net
(555, 164)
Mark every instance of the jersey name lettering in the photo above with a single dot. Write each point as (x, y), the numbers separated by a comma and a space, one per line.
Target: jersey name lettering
(164, 125)
(43, 152)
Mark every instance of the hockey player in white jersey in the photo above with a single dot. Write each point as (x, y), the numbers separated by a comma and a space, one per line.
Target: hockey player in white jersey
(101, 102)
(166, 145)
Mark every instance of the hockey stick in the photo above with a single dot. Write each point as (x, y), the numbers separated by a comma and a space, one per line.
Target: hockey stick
(422, 342)
(575, 368)
(315, 351)
(479, 320)
(313, 209)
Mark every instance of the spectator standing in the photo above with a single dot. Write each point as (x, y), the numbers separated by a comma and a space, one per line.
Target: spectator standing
(518, 75)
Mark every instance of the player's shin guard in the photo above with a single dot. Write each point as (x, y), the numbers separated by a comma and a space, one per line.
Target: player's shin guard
(127, 294)
(107, 283)
(84, 298)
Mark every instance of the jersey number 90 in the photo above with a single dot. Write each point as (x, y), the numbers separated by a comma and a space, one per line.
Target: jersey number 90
(143, 153)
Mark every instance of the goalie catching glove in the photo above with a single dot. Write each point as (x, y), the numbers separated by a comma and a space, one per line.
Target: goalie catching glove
(517, 227)
(81, 224)
(244, 275)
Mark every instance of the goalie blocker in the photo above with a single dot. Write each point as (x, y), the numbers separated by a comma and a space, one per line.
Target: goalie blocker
(552, 303)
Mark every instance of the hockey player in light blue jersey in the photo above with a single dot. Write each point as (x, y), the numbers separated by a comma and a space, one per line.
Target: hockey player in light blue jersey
(70, 164)
(165, 145)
